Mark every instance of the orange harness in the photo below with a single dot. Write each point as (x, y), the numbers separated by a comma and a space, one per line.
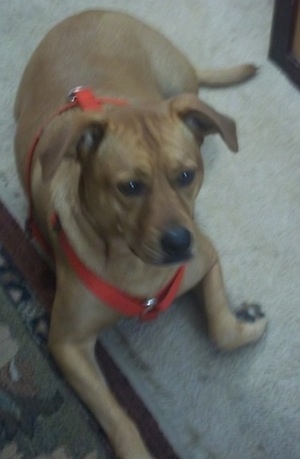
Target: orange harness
(127, 305)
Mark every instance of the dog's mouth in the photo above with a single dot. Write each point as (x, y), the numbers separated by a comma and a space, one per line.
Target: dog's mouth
(173, 260)
(159, 259)
(174, 247)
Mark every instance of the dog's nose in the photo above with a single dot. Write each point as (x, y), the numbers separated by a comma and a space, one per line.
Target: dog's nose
(176, 242)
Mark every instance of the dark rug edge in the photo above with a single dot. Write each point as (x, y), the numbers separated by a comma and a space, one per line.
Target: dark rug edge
(41, 281)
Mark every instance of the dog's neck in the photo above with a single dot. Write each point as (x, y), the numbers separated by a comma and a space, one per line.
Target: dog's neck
(102, 254)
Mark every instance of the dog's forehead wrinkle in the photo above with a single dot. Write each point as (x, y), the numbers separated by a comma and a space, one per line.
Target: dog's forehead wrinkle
(118, 167)
(151, 131)
(147, 125)
(164, 141)
(146, 145)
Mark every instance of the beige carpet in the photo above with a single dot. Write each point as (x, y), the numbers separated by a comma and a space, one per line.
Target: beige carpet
(245, 405)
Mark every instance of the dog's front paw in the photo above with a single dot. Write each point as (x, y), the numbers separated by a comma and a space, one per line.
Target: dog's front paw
(243, 327)
(251, 324)
(250, 312)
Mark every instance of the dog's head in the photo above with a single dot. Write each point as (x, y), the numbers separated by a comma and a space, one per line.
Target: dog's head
(140, 171)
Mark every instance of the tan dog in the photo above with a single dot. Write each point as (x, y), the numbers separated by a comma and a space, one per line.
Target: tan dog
(123, 182)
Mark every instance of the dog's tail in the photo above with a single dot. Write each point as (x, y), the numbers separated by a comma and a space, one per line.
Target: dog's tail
(225, 77)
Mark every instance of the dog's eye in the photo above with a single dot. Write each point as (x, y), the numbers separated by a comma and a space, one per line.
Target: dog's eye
(132, 188)
(185, 178)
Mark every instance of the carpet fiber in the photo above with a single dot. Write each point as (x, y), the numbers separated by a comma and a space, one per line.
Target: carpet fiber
(208, 404)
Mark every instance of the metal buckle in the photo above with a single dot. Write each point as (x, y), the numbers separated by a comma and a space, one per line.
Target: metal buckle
(71, 96)
(150, 304)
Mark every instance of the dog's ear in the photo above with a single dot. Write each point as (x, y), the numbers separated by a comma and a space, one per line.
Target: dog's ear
(202, 119)
(76, 139)
(89, 140)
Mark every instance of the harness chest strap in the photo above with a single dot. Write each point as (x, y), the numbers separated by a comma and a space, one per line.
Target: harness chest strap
(115, 298)
(124, 303)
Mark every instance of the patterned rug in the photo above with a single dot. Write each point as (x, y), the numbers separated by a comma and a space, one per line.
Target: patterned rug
(40, 417)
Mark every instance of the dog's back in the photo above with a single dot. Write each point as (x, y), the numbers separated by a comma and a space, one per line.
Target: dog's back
(112, 53)
(93, 49)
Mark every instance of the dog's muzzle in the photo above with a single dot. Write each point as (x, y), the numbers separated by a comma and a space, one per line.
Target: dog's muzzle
(176, 243)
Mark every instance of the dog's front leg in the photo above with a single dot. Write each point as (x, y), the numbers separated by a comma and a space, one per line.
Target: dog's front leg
(77, 363)
(72, 339)
(229, 330)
